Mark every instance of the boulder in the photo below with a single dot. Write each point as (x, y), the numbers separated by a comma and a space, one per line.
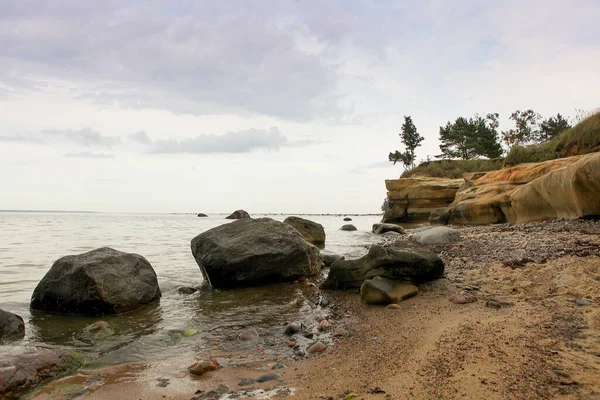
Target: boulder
(202, 215)
(437, 235)
(311, 231)
(238, 214)
(11, 325)
(347, 219)
(348, 227)
(253, 252)
(415, 264)
(329, 259)
(23, 369)
(101, 281)
(380, 290)
(381, 228)
(412, 199)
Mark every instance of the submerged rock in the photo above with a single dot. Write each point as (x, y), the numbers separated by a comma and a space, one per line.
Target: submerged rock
(253, 252)
(98, 331)
(311, 231)
(380, 290)
(238, 214)
(101, 281)
(437, 235)
(348, 227)
(187, 290)
(415, 264)
(381, 228)
(11, 325)
(22, 370)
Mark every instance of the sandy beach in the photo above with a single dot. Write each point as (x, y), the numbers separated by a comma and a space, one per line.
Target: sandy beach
(525, 337)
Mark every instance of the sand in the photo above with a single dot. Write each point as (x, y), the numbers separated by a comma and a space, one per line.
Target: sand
(524, 337)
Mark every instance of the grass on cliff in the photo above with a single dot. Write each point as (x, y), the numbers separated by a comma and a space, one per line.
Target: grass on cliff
(453, 168)
(583, 138)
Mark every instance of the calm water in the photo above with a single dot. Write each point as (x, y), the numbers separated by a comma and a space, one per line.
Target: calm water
(31, 242)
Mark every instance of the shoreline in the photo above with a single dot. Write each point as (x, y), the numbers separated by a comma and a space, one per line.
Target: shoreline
(534, 342)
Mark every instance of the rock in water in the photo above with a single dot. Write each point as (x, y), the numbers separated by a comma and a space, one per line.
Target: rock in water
(101, 281)
(252, 252)
(415, 264)
(293, 328)
(348, 227)
(380, 290)
(437, 235)
(11, 325)
(98, 330)
(311, 231)
(383, 228)
(238, 214)
(347, 219)
(24, 369)
(202, 215)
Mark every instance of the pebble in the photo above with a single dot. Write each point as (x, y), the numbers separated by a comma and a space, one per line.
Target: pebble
(268, 378)
(248, 334)
(583, 302)
(324, 325)
(293, 328)
(203, 366)
(463, 297)
(316, 347)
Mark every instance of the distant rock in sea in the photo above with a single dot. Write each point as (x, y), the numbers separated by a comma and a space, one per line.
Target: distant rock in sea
(202, 215)
(348, 227)
(238, 214)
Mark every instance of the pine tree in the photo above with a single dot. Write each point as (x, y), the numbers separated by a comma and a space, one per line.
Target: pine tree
(470, 138)
(411, 140)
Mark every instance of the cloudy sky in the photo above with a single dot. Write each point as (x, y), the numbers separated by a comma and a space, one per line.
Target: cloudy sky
(267, 105)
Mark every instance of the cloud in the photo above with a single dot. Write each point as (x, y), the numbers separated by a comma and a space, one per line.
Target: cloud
(243, 141)
(141, 137)
(22, 139)
(84, 137)
(89, 154)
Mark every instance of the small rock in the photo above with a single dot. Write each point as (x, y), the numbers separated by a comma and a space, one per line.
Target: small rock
(278, 366)
(187, 290)
(299, 352)
(203, 366)
(393, 306)
(583, 302)
(293, 328)
(11, 325)
(246, 382)
(291, 343)
(316, 347)
(248, 334)
(268, 378)
(463, 297)
(497, 304)
(347, 219)
(324, 325)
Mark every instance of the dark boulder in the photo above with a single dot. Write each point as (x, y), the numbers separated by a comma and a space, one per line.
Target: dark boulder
(311, 231)
(202, 215)
(238, 214)
(347, 219)
(101, 281)
(11, 325)
(253, 252)
(22, 370)
(348, 227)
(415, 264)
(381, 228)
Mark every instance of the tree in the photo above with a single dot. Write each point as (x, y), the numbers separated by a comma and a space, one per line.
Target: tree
(552, 127)
(526, 130)
(411, 140)
(386, 205)
(470, 138)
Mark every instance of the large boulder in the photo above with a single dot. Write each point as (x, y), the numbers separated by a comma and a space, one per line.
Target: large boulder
(101, 281)
(415, 264)
(437, 235)
(380, 290)
(381, 228)
(252, 252)
(22, 370)
(238, 214)
(11, 325)
(412, 199)
(311, 231)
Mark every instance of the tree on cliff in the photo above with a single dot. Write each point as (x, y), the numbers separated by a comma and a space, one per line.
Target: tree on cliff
(526, 130)
(552, 127)
(411, 140)
(470, 138)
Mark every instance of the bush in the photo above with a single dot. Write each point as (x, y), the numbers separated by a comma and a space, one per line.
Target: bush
(453, 168)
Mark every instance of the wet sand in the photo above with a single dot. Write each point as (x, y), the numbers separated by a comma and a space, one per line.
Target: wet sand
(524, 337)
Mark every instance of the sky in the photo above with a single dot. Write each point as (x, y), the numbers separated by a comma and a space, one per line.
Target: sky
(272, 106)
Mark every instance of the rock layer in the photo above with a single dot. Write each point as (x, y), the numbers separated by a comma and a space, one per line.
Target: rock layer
(412, 199)
(253, 252)
(101, 281)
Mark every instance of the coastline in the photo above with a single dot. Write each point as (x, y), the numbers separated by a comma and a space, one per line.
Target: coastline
(525, 337)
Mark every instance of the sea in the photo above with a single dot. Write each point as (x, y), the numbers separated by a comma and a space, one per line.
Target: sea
(177, 326)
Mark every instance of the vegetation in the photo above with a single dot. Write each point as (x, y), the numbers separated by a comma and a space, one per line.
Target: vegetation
(581, 139)
(453, 168)
(411, 140)
(552, 127)
(386, 204)
(470, 138)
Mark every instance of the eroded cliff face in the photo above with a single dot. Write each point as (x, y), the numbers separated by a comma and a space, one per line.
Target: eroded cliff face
(562, 188)
(412, 199)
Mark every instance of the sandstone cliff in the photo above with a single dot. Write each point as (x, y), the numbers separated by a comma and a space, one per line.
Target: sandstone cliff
(562, 188)
(412, 199)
